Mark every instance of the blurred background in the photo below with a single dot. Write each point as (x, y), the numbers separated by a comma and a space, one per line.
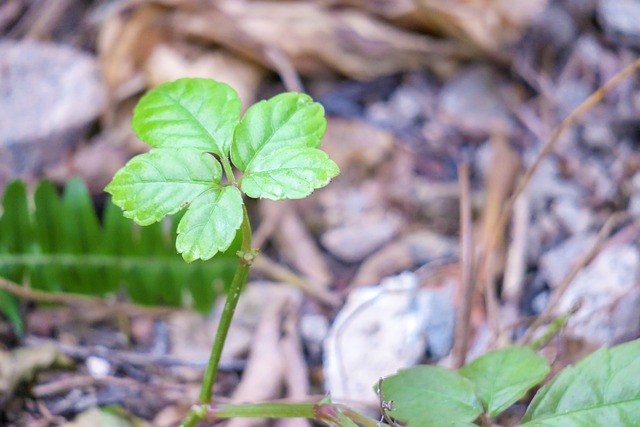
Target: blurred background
(423, 249)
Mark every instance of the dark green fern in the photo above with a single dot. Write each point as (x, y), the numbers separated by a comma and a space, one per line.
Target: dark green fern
(57, 244)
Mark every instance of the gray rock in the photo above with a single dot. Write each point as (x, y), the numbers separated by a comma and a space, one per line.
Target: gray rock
(353, 242)
(607, 289)
(471, 100)
(621, 20)
(382, 329)
(49, 93)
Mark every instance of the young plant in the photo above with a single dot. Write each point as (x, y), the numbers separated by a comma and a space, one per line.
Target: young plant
(196, 132)
(601, 390)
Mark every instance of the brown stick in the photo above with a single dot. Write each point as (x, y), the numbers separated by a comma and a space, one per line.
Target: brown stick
(569, 121)
(75, 300)
(461, 340)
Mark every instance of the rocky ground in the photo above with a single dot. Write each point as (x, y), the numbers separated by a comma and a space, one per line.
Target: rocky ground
(460, 216)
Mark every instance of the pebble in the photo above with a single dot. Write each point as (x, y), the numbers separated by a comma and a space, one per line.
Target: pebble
(621, 20)
(382, 329)
(49, 93)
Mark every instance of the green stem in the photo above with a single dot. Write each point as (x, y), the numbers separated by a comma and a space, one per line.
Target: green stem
(228, 170)
(318, 411)
(246, 254)
(554, 327)
(264, 410)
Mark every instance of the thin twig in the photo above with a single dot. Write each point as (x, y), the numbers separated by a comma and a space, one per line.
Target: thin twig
(84, 301)
(517, 253)
(62, 385)
(285, 69)
(569, 121)
(122, 357)
(584, 261)
(275, 271)
(459, 352)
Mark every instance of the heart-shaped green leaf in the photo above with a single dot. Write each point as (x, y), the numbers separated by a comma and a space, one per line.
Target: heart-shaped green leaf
(210, 223)
(288, 173)
(504, 376)
(286, 120)
(161, 182)
(603, 389)
(188, 113)
(431, 396)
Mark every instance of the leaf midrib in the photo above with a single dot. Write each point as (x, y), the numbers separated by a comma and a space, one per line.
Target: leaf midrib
(265, 143)
(195, 119)
(576, 411)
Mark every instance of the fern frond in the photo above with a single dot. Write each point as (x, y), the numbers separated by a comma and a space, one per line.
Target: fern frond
(59, 245)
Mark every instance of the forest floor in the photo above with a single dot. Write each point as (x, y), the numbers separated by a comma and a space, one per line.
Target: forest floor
(460, 207)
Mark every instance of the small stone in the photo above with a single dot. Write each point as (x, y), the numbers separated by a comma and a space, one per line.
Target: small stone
(98, 367)
(608, 294)
(621, 20)
(471, 100)
(556, 263)
(354, 241)
(49, 93)
(574, 218)
(382, 329)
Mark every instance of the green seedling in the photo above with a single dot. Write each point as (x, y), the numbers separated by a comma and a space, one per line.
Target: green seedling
(601, 390)
(197, 134)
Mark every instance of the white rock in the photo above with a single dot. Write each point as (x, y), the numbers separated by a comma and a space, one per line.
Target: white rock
(98, 367)
(609, 295)
(382, 329)
(607, 289)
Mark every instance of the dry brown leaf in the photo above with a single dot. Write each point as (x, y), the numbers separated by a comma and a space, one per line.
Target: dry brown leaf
(412, 250)
(125, 41)
(22, 364)
(356, 145)
(314, 37)
(263, 377)
(299, 247)
(169, 62)
(500, 181)
(487, 24)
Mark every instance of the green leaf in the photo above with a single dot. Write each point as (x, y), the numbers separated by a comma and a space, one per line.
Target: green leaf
(210, 224)
(601, 390)
(288, 173)
(188, 113)
(286, 120)
(163, 181)
(503, 377)
(431, 396)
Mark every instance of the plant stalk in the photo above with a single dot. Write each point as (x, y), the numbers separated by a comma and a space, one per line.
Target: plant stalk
(264, 410)
(247, 255)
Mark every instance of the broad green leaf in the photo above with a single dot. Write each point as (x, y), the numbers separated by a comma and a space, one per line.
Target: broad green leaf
(210, 224)
(188, 113)
(161, 182)
(286, 120)
(431, 396)
(603, 389)
(502, 377)
(288, 173)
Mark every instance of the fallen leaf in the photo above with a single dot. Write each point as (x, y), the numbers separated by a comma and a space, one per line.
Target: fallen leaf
(22, 364)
